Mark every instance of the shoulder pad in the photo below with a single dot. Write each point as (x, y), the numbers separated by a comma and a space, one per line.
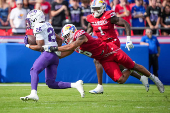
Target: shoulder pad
(109, 14)
(89, 17)
(78, 33)
(38, 28)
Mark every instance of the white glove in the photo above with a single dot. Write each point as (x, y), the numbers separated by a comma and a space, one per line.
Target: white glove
(46, 48)
(58, 53)
(129, 44)
(27, 45)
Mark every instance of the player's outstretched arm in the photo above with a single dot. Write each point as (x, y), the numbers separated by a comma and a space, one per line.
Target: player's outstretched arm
(71, 47)
(121, 22)
(64, 54)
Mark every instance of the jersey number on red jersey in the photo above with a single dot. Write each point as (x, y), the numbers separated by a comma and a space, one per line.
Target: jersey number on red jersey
(89, 54)
(101, 31)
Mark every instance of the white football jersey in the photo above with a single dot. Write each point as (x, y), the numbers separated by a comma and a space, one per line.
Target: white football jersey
(45, 31)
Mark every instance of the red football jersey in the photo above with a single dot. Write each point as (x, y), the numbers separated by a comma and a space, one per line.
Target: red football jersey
(102, 26)
(120, 10)
(46, 7)
(93, 48)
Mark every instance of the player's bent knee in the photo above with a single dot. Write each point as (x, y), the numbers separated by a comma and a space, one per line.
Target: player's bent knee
(121, 81)
(50, 83)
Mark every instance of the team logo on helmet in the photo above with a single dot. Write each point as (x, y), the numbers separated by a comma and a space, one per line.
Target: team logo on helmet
(69, 27)
(101, 1)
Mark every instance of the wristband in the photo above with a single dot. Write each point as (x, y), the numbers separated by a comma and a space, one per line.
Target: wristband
(27, 45)
(52, 48)
(128, 37)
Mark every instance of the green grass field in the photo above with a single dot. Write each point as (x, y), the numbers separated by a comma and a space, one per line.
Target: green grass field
(117, 98)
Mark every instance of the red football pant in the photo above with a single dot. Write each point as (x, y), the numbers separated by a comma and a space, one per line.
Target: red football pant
(111, 63)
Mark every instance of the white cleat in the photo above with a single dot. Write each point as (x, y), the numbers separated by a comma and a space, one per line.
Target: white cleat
(159, 84)
(33, 97)
(79, 87)
(144, 81)
(97, 90)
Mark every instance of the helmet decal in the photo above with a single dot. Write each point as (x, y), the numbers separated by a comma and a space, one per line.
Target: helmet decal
(94, 2)
(68, 32)
(100, 1)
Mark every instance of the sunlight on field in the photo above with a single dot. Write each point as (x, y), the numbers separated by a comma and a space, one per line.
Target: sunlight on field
(126, 98)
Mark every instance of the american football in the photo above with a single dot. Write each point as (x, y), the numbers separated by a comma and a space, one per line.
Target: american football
(32, 40)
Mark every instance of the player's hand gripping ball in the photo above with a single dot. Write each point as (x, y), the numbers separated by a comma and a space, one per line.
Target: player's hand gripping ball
(30, 39)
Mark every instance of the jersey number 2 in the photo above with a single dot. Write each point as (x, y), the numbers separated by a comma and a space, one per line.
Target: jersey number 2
(51, 35)
(100, 29)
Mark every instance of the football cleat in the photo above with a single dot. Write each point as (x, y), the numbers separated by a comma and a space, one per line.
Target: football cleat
(97, 90)
(79, 87)
(144, 81)
(159, 84)
(33, 97)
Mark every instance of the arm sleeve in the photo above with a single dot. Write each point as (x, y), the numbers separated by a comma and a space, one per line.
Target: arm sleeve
(81, 13)
(132, 11)
(53, 7)
(49, 8)
(157, 42)
(147, 12)
(12, 15)
(116, 9)
(142, 39)
(144, 10)
(159, 15)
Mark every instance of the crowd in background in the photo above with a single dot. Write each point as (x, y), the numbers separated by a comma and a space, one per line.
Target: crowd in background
(138, 13)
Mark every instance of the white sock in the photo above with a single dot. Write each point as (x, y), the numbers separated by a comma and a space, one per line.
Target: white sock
(73, 85)
(152, 77)
(33, 91)
(141, 78)
(99, 86)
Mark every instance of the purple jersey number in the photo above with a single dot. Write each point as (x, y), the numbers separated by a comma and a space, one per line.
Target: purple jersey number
(51, 34)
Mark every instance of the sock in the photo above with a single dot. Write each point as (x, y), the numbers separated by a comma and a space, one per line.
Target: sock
(140, 78)
(73, 85)
(33, 91)
(152, 77)
(99, 86)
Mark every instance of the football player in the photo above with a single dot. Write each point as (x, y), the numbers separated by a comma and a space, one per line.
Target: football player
(102, 23)
(45, 35)
(108, 54)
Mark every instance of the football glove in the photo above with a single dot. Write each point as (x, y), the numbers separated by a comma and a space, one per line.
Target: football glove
(129, 44)
(53, 48)
(26, 39)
